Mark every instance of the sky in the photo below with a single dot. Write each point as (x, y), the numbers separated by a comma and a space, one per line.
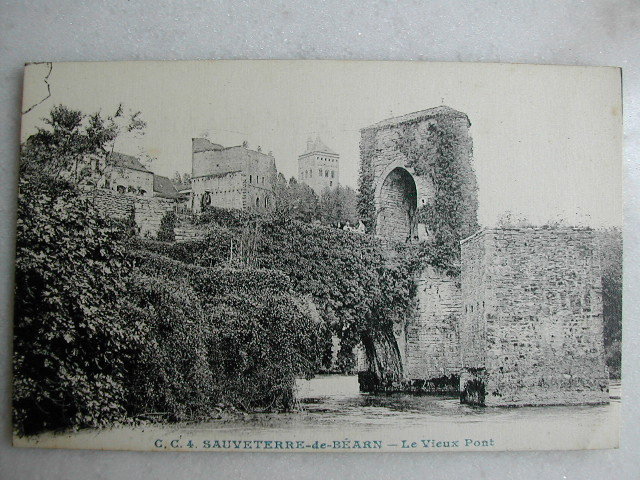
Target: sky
(547, 141)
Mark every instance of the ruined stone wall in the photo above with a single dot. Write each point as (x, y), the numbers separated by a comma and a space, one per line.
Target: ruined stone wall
(226, 190)
(532, 331)
(112, 204)
(431, 336)
(149, 213)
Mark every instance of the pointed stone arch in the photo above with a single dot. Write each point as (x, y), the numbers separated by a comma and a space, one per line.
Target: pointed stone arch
(396, 204)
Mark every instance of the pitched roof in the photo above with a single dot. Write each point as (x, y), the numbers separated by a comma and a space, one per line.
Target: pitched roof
(163, 187)
(204, 145)
(442, 110)
(121, 160)
(318, 146)
(181, 187)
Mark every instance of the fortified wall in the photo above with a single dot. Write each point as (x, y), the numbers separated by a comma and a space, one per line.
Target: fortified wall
(532, 329)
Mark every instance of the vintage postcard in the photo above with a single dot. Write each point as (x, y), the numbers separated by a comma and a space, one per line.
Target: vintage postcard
(318, 256)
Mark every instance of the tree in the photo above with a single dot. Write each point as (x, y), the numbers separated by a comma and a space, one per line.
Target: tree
(181, 179)
(295, 200)
(72, 147)
(338, 205)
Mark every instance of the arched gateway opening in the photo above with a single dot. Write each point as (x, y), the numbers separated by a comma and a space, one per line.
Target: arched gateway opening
(397, 205)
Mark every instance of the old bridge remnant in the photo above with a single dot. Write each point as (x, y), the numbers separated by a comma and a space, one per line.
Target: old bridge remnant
(517, 320)
(532, 328)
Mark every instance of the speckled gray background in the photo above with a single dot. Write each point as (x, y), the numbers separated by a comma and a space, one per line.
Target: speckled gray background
(596, 32)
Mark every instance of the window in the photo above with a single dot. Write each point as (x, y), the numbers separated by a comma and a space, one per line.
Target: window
(330, 183)
(266, 202)
(250, 178)
(263, 180)
(326, 173)
(320, 171)
(332, 174)
(257, 201)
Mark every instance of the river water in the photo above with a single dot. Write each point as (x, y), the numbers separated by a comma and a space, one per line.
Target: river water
(331, 408)
(334, 402)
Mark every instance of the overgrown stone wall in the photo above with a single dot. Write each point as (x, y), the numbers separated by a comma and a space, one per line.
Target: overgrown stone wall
(149, 213)
(431, 337)
(112, 204)
(532, 330)
(435, 149)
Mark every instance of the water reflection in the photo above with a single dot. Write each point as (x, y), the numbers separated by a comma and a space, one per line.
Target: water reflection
(334, 401)
(333, 398)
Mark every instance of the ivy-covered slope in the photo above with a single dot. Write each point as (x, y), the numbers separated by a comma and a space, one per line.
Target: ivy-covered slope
(107, 331)
(346, 275)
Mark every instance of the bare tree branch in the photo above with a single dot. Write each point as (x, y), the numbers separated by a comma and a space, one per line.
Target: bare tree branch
(46, 78)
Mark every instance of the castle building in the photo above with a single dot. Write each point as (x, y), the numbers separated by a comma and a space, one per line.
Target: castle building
(319, 166)
(125, 174)
(231, 177)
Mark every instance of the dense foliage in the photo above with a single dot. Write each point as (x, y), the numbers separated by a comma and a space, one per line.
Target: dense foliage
(366, 189)
(611, 253)
(298, 201)
(71, 341)
(353, 285)
(450, 215)
(106, 331)
(216, 338)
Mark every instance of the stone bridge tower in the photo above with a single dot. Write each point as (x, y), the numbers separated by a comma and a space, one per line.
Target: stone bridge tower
(521, 324)
(394, 153)
(400, 178)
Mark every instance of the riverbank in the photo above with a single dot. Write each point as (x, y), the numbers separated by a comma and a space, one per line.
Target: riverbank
(333, 410)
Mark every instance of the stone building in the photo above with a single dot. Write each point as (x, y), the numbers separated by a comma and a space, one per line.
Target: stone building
(125, 174)
(319, 166)
(231, 177)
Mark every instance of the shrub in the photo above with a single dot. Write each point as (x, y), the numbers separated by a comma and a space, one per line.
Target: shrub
(348, 276)
(70, 342)
(217, 337)
(167, 233)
